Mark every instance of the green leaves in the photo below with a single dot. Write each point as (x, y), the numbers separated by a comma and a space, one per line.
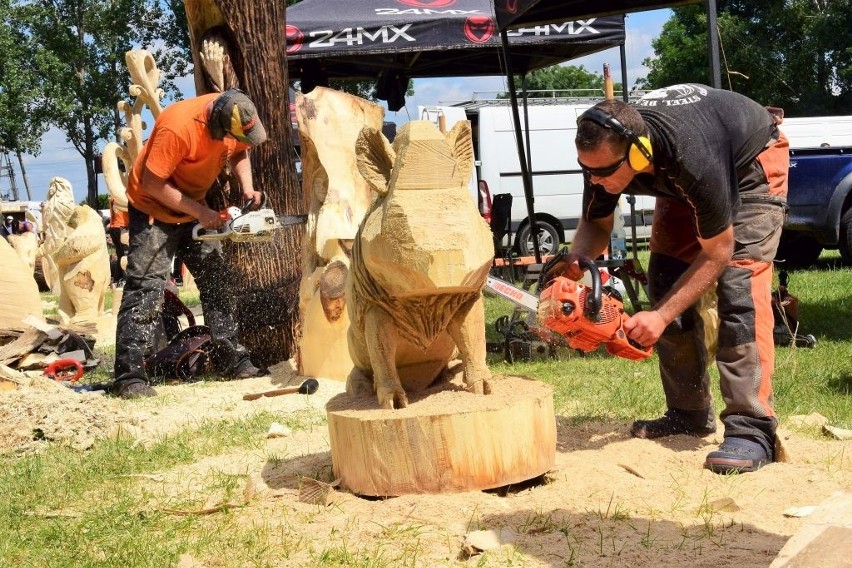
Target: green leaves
(794, 54)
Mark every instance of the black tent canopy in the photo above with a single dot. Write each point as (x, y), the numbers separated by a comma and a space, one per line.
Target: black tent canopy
(429, 38)
(514, 13)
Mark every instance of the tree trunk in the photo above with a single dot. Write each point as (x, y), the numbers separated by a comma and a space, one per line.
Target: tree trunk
(267, 289)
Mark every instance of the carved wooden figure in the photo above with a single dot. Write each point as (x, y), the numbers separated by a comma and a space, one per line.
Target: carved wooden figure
(19, 297)
(75, 245)
(419, 264)
(26, 246)
(337, 199)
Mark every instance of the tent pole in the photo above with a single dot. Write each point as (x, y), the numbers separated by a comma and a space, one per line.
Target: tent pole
(525, 173)
(713, 45)
(623, 52)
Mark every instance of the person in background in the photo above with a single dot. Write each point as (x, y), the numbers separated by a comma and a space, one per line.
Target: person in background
(717, 164)
(116, 228)
(8, 226)
(190, 143)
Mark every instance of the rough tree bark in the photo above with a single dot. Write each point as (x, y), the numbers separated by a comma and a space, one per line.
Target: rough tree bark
(267, 289)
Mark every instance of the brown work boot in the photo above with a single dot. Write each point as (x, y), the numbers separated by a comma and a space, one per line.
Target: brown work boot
(673, 422)
(245, 369)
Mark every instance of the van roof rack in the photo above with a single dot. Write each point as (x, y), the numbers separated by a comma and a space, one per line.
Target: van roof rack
(550, 97)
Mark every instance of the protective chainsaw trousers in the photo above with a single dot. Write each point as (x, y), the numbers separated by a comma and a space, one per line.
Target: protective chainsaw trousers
(153, 244)
(745, 350)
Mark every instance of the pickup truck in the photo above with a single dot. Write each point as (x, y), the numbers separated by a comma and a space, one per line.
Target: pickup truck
(820, 201)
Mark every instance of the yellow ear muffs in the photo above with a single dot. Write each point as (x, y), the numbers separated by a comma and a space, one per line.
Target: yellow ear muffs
(640, 153)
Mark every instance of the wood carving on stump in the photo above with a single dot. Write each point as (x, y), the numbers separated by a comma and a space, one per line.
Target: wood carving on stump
(419, 265)
(337, 199)
(26, 246)
(78, 260)
(20, 297)
(117, 160)
(268, 274)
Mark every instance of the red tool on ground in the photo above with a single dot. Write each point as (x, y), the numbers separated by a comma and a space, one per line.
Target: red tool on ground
(64, 370)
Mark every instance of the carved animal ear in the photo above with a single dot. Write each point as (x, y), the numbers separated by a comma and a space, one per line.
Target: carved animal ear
(375, 158)
(461, 142)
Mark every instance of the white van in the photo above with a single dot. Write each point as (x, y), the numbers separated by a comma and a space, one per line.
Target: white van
(816, 131)
(557, 180)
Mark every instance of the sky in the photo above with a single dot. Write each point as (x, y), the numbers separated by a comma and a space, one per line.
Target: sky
(59, 158)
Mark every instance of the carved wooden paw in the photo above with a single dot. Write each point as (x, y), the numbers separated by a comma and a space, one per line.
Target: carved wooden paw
(358, 384)
(391, 398)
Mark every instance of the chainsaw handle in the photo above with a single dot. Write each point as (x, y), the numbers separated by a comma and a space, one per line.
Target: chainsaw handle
(247, 206)
(210, 234)
(594, 301)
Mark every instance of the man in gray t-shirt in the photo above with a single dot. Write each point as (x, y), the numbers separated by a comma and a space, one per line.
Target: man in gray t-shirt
(717, 165)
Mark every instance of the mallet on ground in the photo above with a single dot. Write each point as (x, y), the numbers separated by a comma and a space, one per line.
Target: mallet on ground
(310, 386)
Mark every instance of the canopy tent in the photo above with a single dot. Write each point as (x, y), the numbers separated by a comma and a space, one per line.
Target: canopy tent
(427, 38)
(526, 13)
(514, 13)
(394, 41)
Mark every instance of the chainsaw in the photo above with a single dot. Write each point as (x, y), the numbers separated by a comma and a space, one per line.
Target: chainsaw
(585, 316)
(242, 225)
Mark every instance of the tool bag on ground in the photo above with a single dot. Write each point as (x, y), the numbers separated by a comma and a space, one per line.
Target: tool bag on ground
(785, 308)
(187, 355)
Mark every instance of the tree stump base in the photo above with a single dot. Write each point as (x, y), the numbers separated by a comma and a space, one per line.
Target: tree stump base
(447, 440)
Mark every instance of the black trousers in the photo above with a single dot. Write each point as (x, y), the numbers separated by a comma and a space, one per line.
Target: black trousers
(153, 244)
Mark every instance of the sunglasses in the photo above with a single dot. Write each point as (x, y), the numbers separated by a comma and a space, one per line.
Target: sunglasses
(605, 171)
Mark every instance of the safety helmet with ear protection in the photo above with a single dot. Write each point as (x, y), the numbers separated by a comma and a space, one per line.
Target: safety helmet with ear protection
(639, 154)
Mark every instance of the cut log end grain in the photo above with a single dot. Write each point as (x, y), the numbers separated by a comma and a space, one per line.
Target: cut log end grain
(446, 440)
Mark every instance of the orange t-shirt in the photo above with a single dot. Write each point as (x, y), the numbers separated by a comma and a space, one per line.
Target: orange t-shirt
(181, 150)
(118, 219)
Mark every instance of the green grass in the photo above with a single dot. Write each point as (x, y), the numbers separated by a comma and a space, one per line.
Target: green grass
(67, 508)
(599, 387)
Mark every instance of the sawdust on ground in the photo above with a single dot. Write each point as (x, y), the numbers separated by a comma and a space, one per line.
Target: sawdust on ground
(610, 501)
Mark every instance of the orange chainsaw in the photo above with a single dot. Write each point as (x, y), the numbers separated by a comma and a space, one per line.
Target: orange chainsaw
(585, 316)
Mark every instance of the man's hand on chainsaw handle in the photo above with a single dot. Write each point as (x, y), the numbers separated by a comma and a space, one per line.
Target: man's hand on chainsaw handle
(590, 241)
(645, 328)
(256, 198)
(568, 267)
(210, 219)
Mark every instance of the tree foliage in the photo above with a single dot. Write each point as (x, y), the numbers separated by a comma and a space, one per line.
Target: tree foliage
(567, 80)
(22, 88)
(79, 48)
(793, 54)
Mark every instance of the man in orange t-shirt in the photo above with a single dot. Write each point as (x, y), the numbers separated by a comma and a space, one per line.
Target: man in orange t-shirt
(191, 142)
(118, 222)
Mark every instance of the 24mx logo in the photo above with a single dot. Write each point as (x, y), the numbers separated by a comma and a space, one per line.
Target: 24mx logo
(427, 3)
(360, 36)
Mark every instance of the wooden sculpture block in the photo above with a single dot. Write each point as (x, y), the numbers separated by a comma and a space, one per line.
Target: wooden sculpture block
(26, 246)
(337, 199)
(78, 259)
(20, 297)
(419, 264)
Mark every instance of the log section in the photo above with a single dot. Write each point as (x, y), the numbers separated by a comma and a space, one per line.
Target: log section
(446, 440)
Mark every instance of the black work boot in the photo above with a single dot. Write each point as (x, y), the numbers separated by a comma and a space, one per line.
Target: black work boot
(738, 455)
(697, 423)
(132, 388)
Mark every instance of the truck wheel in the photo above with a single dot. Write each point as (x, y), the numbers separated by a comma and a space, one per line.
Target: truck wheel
(548, 239)
(845, 244)
(797, 249)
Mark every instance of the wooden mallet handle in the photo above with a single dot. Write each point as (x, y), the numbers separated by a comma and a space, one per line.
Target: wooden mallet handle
(310, 386)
